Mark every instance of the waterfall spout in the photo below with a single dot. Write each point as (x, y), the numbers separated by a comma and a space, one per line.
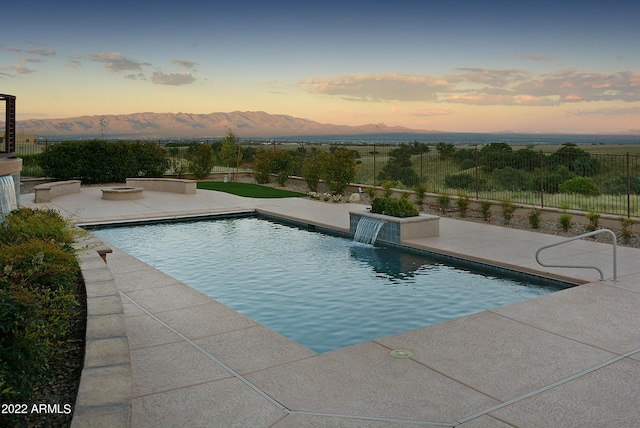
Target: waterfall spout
(367, 230)
(8, 201)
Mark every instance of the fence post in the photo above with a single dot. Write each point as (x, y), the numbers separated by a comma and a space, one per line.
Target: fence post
(477, 172)
(374, 164)
(541, 179)
(628, 189)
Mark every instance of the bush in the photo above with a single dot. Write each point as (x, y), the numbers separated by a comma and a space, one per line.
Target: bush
(339, 168)
(444, 201)
(38, 296)
(508, 208)
(594, 221)
(534, 218)
(580, 185)
(97, 161)
(201, 160)
(565, 221)
(485, 210)
(460, 181)
(513, 179)
(25, 224)
(421, 191)
(311, 172)
(394, 207)
(463, 205)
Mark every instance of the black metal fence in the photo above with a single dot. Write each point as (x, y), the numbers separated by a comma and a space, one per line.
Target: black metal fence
(567, 178)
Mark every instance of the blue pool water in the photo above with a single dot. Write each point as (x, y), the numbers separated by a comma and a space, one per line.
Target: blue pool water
(321, 291)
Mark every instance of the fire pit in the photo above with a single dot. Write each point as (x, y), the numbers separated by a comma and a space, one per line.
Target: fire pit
(123, 193)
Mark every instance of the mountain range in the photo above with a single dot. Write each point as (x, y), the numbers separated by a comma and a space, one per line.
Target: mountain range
(245, 124)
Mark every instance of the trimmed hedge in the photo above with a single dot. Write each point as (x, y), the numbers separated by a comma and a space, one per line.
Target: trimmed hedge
(97, 161)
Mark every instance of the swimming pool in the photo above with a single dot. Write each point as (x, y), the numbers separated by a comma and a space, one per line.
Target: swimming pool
(321, 291)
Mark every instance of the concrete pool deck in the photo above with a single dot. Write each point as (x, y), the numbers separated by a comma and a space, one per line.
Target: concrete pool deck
(571, 358)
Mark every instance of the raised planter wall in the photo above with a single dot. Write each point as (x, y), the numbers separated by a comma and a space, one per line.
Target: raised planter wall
(395, 229)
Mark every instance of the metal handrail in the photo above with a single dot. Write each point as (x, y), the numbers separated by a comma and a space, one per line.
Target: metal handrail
(585, 235)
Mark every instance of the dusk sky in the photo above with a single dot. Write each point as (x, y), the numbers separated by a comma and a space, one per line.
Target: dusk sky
(463, 66)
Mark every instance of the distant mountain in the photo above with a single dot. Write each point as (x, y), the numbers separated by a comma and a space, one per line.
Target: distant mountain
(187, 125)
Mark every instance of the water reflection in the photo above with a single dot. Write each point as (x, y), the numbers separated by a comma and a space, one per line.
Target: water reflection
(391, 262)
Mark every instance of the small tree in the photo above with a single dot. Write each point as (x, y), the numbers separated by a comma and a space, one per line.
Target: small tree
(339, 168)
(229, 152)
(201, 161)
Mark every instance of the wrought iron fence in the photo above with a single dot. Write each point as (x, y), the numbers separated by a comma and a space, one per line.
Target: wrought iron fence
(568, 178)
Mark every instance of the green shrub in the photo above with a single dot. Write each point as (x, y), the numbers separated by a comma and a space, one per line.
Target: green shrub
(463, 205)
(594, 221)
(460, 181)
(513, 179)
(485, 210)
(421, 191)
(25, 224)
(201, 160)
(580, 185)
(387, 186)
(339, 168)
(565, 221)
(311, 172)
(38, 298)
(508, 208)
(444, 202)
(534, 218)
(97, 161)
(394, 207)
(627, 229)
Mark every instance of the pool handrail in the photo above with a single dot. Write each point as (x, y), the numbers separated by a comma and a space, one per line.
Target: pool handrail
(585, 235)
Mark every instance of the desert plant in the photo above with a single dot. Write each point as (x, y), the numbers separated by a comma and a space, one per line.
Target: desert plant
(387, 188)
(627, 229)
(565, 221)
(421, 191)
(534, 218)
(443, 201)
(508, 208)
(463, 204)
(485, 210)
(371, 192)
(594, 221)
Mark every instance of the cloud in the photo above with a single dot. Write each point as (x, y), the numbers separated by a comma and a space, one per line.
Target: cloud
(482, 86)
(184, 63)
(378, 87)
(73, 63)
(622, 111)
(537, 57)
(17, 69)
(29, 59)
(42, 52)
(431, 112)
(116, 62)
(174, 79)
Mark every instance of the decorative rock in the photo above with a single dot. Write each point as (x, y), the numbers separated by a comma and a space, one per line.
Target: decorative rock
(355, 197)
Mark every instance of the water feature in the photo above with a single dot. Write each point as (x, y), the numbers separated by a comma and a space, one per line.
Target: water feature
(318, 290)
(8, 200)
(367, 230)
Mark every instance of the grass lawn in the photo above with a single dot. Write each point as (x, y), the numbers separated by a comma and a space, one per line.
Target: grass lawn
(248, 190)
